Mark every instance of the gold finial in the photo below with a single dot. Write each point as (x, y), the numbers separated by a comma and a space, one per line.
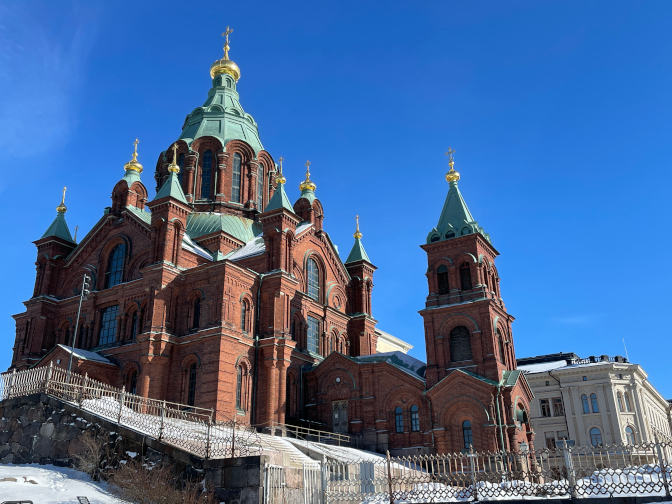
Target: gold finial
(225, 65)
(357, 234)
(307, 184)
(174, 167)
(280, 178)
(133, 164)
(452, 175)
(62, 208)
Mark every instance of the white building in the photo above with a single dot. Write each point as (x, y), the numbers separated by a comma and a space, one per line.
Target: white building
(389, 343)
(599, 400)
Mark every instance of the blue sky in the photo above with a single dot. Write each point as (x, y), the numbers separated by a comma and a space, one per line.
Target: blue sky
(560, 114)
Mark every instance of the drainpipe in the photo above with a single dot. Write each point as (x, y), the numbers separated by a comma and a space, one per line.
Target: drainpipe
(562, 398)
(256, 351)
(431, 420)
(499, 415)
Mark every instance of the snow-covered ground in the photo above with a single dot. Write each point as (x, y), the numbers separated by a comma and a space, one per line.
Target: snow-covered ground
(48, 484)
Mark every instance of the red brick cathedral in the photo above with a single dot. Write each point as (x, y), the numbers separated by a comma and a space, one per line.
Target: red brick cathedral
(220, 293)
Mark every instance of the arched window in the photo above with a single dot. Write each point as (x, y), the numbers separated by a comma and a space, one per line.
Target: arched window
(197, 313)
(239, 386)
(450, 234)
(133, 385)
(313, 280)
(134, 324)
(584, 403)
(313, 334)
(627, 402)
(442, 276)
(115, 266)
(595, 436)
(260, 188)
(191, 396)
(235, 180)
(465, 276)
(206, 174)
(593, 402)
(243, 316)
(108, 325)
(467, 434)
(180, 163)
(331, 344)
(415, 418)
(502, 350)
(630, 436)
(460, 344)
(620, 401)
(399, 419)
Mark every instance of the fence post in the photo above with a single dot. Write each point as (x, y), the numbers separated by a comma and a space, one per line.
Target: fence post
(163, 414)
(81, 397)
(207, 439)
(325, 481)
(121, 404)
(662, 463)
(389, 477)
(569, 464)
(49, 371)
(472, 466)
(12, 379)
(233, 438)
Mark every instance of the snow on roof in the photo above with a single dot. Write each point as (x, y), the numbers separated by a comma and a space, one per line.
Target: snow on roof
(398, 359)
(192, 246)
(85, 354)
(542, 367)
(251, 248)
(302, 227)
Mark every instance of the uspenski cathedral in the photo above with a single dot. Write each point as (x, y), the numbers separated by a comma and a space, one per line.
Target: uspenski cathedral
(219, 292)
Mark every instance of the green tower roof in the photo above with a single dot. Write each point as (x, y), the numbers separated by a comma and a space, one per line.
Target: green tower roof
(171, 188)
(279, 200)
(222, 117)
(59, 229)
(456, 219)
(357, 253)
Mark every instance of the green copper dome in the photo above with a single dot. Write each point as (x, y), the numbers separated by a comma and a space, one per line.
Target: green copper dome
(222, 116)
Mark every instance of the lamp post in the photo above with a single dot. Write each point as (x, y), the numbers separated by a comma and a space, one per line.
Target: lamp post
(86, 286)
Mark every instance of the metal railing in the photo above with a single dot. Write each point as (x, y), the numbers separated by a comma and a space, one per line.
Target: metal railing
(190, 428)
(309, 434)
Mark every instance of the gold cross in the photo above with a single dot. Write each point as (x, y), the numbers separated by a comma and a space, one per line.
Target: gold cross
(281, 160)
(357, 234)
(175, 153)
(307, 170)
(135, 150)
(226, 34)
(450, 153)
(63, 200)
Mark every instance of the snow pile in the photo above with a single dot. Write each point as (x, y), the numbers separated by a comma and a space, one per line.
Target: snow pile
(52, 485)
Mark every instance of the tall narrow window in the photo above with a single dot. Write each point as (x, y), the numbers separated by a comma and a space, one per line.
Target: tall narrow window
(399, 419)
(239, 386)
(331, 344)
(584, 403)
(206, 174)
(235, 179)
(108, 325)
(191, 396)
(545, 407)
(460, 344)
(197, 313)
(115, 266)
(593, 402)
(294, 329)
(558, 407)
(442, 277)
(133, 385)
(313, 334)
(501, 349)
(313, 280)
(260, 188)
(595, 436)
(630, 436)
(180, 163)
(415, 418)
(620, 401)
(134, 324)
(627, 402)
(467, 434)
(465, 276)
(243, 316)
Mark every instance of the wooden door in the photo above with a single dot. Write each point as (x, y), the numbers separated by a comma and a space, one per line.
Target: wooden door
(340, 416)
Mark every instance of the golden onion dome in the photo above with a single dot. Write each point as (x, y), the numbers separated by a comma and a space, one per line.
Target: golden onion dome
(133, 164)
(357, 234)
(61, 208)
(280, 178)
(307, 184)
(174, 167)
(225, 65)
(452, 175)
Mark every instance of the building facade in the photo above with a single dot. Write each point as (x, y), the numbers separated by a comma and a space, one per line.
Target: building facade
(221, 293)
(596, 401)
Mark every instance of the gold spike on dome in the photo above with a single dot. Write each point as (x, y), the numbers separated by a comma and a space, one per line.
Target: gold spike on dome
(225, 65)
(357, 234)
(133, 164)
(174, 167)
(280, 178)
(307, 184)
(62, 208)
(452, 175)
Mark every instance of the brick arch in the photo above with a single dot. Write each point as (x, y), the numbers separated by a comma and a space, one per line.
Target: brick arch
(394, 393)
(465, 257)
(190, 359)
(330, 379)
(321, 270)
(135, 264)
(73, 282)
(199, 147)
(457, 406)
(457, 319)
(246, 297)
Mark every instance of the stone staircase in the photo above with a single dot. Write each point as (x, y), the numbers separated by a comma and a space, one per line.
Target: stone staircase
(291, 455)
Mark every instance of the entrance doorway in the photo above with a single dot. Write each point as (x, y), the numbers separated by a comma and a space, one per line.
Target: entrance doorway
(340, 416)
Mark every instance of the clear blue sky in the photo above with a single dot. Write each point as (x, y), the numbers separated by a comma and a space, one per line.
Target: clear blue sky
(560, 113)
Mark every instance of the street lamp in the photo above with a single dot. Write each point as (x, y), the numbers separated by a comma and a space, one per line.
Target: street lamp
(86, 290)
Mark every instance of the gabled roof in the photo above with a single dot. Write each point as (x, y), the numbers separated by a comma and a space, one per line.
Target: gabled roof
(399, 360)
(172, 188)
(143, 215)
(357, 253)
(279, 200)
(59, 229)
(201, 224)
(78, 353)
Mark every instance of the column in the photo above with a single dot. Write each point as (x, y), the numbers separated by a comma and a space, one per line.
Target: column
(615, 414)
(222, 158)
(252, 168)
(569, 413)
(190, 172)
(282, 390)
(639, 414)
(606, 426)
(581, 439)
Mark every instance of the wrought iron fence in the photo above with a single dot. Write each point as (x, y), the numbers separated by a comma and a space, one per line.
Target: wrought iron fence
(577, 472)
(193, 429)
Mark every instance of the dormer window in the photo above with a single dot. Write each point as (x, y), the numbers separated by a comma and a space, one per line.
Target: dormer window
(435, 238)
(466, 231)
(450, 234)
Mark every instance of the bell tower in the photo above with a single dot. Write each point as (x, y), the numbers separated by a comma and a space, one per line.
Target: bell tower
(466, 323)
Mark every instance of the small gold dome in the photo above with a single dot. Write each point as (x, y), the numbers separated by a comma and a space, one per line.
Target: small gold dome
(61, 208)
(280, 178)
(307, 184)
(174, 167)
(133, 164)
(452, 175)
(357, 234)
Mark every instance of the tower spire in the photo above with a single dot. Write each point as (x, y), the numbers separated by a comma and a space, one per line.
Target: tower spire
(59, 228)
(357, 253)
(357, 234)
(61, 208)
